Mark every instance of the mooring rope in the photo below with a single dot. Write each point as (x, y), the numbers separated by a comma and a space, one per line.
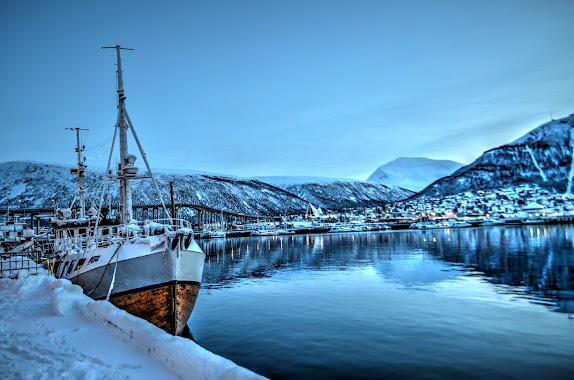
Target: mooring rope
(114, 275)
(107, 265)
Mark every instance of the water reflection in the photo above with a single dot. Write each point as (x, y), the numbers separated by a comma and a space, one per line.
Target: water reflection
(533, 262)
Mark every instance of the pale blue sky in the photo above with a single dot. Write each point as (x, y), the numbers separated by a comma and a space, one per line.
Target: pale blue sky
(320, 88)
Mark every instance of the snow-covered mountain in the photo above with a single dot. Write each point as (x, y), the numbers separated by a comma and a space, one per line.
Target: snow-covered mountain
(282, 181)
(544, 156)
(34, 184)
(329, 193)
(413, 173)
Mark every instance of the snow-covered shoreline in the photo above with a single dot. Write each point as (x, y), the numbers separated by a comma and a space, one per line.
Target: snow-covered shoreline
(49, 328)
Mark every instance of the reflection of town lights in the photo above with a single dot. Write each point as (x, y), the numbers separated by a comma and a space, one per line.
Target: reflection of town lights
(434, 239)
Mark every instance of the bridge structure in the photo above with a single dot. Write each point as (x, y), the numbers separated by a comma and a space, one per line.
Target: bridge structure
(205, 215)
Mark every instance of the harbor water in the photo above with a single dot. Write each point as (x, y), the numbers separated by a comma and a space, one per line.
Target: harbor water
(473, 303)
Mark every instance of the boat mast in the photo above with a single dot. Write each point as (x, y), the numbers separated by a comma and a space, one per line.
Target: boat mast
(79, 170)
(126, 167)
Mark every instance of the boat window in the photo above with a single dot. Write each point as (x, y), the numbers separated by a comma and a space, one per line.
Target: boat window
(57, 266)
(64, 269)
(80, 264)
(94, 259)
(71, 232)
(82, 231)
(106, 231)
(71, 267)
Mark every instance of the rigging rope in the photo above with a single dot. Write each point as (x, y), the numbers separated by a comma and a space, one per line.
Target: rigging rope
(146, 161)
(107, 141)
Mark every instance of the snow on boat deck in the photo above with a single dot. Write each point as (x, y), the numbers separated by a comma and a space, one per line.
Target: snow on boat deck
(50, 329)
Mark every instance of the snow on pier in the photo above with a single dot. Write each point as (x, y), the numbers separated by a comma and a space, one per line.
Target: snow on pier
(50, 329)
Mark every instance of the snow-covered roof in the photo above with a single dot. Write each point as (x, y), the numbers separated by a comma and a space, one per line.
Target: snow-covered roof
(533, 206)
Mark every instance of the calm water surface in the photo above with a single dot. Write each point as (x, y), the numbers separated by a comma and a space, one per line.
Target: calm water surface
(479, 303)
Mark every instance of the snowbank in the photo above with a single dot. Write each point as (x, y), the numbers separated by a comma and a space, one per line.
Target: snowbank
(66, 303)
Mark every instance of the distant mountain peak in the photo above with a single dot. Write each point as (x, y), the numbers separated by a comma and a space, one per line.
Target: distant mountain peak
(413, 173)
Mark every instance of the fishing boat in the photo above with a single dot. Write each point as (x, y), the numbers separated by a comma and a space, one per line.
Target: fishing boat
(151, 269)
(12, 232)
(263, 232)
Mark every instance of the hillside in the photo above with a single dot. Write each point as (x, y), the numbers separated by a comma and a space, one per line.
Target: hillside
(542, 157)
(330, 193)
(35, 184)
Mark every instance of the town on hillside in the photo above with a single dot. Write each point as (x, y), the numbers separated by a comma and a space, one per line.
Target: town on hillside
(522, 204)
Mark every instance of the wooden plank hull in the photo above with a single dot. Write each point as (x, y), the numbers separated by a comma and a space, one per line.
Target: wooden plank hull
(168, 305)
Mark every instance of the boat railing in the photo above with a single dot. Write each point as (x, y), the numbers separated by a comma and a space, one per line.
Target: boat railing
(46, 246)
(12, 263)
(79, 243)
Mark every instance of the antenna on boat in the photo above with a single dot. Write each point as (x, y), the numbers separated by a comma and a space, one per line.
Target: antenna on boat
(80, 169)
(126, 169)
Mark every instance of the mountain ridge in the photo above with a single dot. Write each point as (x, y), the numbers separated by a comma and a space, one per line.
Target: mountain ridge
(34, 184)
(543, 156)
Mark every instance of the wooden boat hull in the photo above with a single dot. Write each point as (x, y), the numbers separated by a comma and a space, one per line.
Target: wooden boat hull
(168, 306)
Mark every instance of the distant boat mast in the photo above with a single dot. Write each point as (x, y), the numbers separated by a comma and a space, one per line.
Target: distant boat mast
(80, 169)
